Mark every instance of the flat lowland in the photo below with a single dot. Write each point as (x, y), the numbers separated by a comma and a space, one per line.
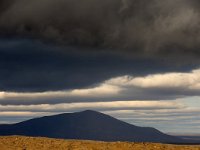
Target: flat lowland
(30, 143)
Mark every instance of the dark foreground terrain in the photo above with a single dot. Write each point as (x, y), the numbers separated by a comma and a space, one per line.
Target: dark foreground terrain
(30, 143)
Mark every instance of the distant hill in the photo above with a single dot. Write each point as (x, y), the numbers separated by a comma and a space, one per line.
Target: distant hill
(194, 137)
(86, 125)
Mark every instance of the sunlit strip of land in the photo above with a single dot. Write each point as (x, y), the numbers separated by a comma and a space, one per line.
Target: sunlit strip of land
(30, 143)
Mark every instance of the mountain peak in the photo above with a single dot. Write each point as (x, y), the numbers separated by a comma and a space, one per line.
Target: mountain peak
(88, 111)
(91, 112)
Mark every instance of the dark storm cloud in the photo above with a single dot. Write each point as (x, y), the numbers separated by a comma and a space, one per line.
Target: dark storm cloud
(99, 32)
(152, 28)
(28, 65)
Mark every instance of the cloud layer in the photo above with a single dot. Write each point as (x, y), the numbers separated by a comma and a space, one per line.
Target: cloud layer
(165, 86)
(153, 28)
(101, 106)
(32, 66)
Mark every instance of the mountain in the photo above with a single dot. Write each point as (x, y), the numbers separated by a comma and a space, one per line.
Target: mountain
(86, 125)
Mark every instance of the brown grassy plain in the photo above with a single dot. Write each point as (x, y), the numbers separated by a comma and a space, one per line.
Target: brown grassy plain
(30, 143)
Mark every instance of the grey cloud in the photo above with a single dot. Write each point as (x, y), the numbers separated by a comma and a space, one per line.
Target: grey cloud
(167, 28)
(94, 94)
(99, 106)
(29, 65)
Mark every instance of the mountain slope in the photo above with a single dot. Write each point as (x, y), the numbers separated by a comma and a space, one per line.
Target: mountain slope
(87, 125)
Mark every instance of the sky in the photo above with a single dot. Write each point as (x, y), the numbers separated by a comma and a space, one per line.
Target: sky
(136, 60)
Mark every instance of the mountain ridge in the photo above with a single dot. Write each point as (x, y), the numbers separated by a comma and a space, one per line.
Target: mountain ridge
(87, 125)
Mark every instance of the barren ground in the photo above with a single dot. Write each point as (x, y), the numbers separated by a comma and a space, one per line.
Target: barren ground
(29, 143)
